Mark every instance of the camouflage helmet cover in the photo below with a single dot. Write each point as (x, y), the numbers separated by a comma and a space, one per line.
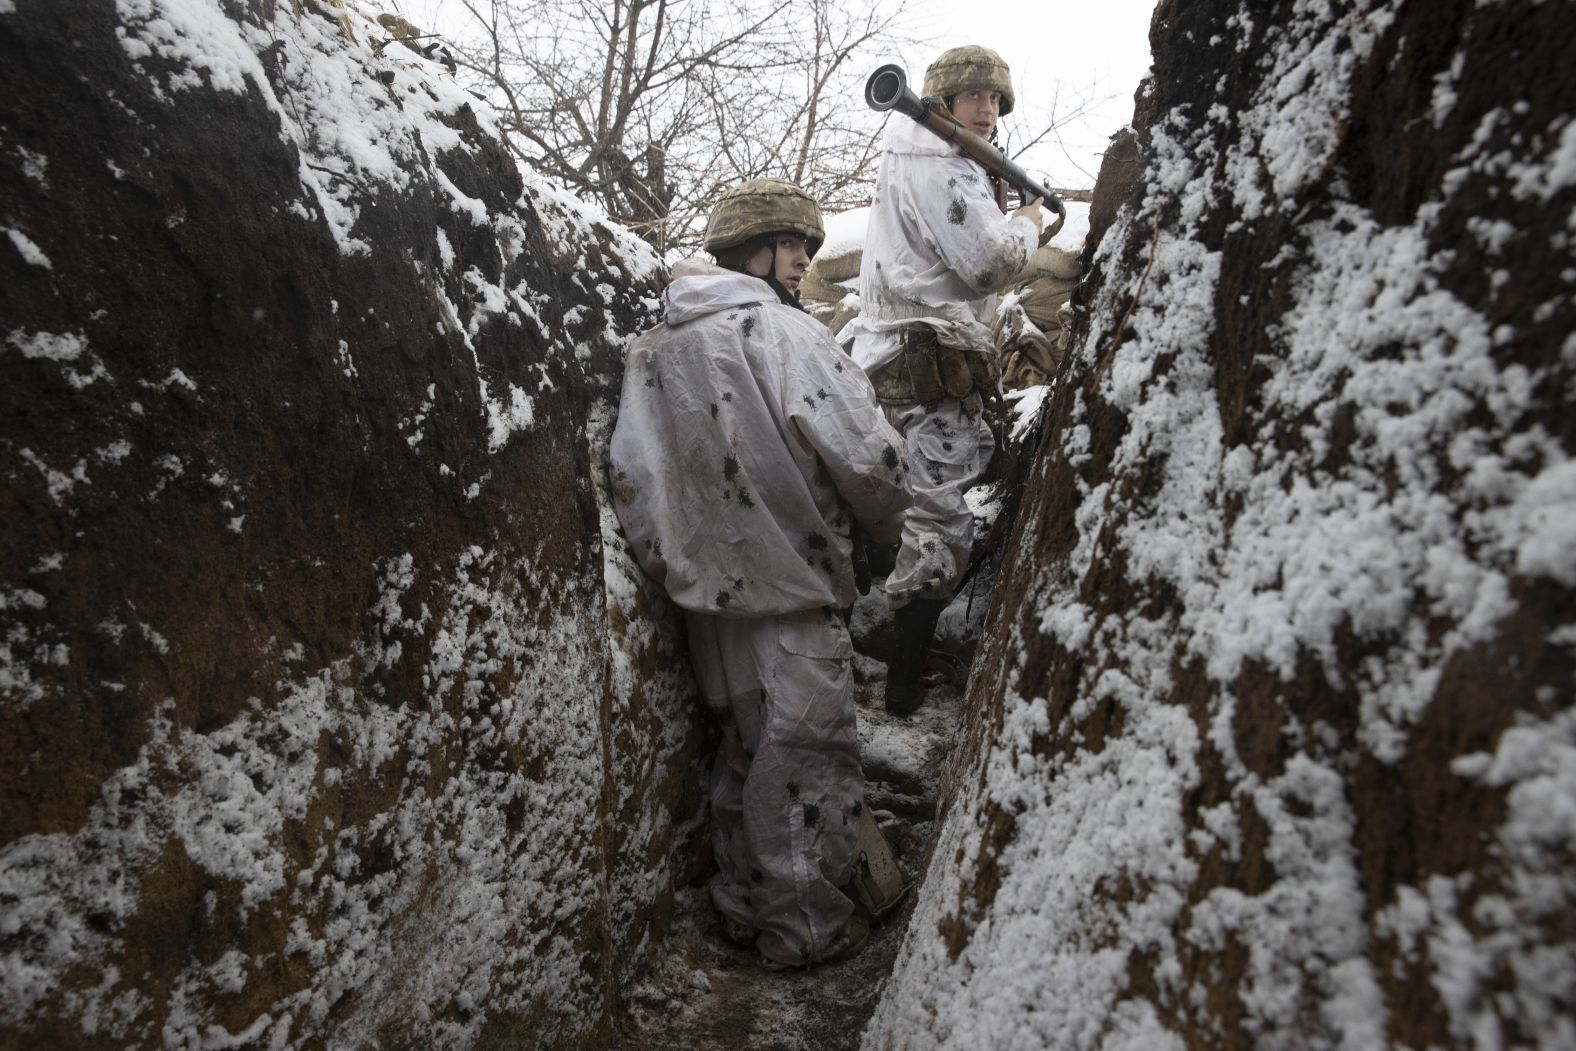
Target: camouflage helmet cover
(763, 206)
(961, 68)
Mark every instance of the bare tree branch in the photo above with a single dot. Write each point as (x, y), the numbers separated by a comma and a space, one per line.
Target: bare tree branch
(651, 108)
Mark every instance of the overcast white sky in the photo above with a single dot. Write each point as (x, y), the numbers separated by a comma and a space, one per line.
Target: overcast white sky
(1062, 54)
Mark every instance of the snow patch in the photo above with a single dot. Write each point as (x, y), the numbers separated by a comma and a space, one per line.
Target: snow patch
(50, 346)
(29, 251)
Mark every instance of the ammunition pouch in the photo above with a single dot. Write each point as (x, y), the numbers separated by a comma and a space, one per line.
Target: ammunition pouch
(926, 370)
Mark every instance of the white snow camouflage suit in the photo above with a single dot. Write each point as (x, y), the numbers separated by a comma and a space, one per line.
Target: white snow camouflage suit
(937, 250)
(744, 440)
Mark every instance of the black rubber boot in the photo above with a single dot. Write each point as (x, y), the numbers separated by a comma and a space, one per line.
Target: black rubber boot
(881, 558)
(914, 626)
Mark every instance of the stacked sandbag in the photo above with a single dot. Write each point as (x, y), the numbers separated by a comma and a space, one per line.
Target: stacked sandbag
(1028, 326)
(830, 301)
(1030, 329)
(830, 286)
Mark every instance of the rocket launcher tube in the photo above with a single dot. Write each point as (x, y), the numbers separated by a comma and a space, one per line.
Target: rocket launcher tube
(887, 89)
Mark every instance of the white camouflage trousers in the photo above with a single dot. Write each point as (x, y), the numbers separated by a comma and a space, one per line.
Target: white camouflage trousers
(786, 787)
(949, 447)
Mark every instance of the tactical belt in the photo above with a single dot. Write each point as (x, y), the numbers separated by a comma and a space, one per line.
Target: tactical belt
(926, 371)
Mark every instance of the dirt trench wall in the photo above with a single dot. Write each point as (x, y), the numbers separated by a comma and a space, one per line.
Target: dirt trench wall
(1274, 738)
(332, 711)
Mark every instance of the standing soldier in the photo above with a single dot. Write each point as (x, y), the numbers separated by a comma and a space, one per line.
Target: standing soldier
(746, 447)
(937, 250)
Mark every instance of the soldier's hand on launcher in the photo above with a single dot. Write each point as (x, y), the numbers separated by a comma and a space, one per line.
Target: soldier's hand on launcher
(1032, 212)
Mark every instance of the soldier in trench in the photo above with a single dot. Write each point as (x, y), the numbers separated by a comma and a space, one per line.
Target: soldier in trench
(938, 249)
(746, 447)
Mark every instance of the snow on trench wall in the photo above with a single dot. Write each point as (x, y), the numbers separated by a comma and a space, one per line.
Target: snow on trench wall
(326, 718)
(1274, 741)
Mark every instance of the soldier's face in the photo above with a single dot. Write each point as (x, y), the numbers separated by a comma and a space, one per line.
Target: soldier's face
(977, 110)
(793, 259)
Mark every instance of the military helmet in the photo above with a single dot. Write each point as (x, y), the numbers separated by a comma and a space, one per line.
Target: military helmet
(763, 206)
(961, 68)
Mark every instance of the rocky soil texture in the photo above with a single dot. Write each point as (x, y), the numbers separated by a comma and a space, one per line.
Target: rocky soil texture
(1272, 738)
(327, 713)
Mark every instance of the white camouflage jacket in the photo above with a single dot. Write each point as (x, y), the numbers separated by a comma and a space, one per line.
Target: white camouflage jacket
(937, 249)
(744, 439)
